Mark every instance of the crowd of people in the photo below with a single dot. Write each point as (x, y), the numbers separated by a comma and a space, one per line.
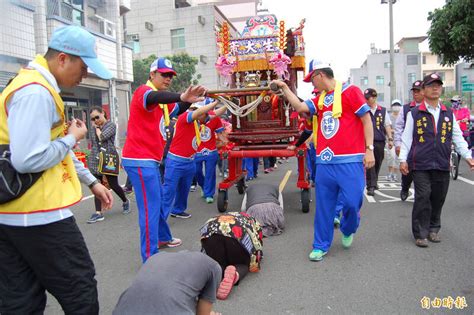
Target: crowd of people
(170, 137)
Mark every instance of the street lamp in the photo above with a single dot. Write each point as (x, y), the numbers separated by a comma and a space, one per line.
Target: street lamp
(393, 85)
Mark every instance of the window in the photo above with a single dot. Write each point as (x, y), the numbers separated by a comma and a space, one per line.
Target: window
(386, 65)
(177, 38)
(412, 60)
(411, 78)
(439, 59)
(379, 80)
(364, 81)
(73, 10)
(424, 59)
(380, 97)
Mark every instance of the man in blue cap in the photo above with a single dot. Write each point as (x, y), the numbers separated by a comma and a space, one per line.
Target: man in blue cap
(151, 110)
(41, 247)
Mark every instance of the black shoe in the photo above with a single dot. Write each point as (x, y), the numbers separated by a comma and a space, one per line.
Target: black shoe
(370, 191)
(403, 195)
(182, 215)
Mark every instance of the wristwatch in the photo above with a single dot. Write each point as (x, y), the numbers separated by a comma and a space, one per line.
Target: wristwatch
(369, 147)
(93, 183)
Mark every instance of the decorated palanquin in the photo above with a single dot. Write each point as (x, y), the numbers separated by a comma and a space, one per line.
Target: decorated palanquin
(261, 123)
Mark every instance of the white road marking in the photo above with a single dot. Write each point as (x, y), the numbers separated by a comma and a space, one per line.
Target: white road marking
(466, 180)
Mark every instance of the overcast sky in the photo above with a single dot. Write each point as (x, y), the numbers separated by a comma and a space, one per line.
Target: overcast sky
(340, 31)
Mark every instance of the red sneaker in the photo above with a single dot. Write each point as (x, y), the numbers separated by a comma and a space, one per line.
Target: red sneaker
(230, 278)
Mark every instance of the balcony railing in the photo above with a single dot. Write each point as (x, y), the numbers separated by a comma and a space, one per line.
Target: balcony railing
(66, 11)
(101, 25)
(76, 16)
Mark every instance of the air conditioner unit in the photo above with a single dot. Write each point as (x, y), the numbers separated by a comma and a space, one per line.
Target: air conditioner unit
(201, 20)
(133, 37)
(149, 26)
(203, 59)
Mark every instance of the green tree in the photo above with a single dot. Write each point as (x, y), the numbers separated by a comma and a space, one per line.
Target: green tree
(185, 67)
(141, 70)
(451, 34)
(183, 64)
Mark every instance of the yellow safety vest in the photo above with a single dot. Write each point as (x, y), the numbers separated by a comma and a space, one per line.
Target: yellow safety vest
(59, 186)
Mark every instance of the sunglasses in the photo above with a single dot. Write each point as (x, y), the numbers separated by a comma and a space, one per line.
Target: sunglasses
(167, 75)
(95, 118)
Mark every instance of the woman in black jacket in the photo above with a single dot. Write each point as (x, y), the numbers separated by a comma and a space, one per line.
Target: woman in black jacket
(103, 138)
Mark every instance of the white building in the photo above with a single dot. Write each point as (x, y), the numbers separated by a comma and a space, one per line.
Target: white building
(176, 26)
(411, 64)
(27, 25)
(375, 71)
(432, 63)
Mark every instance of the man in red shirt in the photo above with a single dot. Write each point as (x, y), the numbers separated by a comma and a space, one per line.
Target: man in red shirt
(344, 146)
(207, 153)
(180, 166)
(148, 128)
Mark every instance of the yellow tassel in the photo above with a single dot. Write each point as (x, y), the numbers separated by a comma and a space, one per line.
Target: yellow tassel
(315, 130)
(198, 134)
(336, 107)
(164, 107)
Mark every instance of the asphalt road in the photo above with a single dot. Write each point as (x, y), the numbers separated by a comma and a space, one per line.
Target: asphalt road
(383, 272)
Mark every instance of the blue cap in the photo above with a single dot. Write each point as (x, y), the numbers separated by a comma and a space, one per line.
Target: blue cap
(162, 65)
(313, 66)
(76, 41)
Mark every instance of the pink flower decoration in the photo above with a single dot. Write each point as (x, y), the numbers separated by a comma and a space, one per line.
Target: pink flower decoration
(280, 63)
(225, 66)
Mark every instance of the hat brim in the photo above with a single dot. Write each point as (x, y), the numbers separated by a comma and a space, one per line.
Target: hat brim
(415, 88)
(307, 78)
(97, 67)
(167, 71)
(432, 81)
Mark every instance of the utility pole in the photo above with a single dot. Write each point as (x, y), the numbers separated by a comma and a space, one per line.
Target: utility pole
(393, 84)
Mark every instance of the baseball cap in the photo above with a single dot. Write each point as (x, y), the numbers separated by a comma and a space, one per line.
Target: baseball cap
(370, 92)
(396, 102)
(162, 65)
(431, 78)
(417, 85)
(76, 41)
(456, 98)
(313, 66)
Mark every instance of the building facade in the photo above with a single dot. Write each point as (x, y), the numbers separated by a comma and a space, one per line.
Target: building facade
(375, 71)
(26, 27)
(432, 63)
(184, 26)
(411, 64)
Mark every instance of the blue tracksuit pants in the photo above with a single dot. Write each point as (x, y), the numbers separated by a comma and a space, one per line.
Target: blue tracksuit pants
(339, 205)
(178, 178)
(207, 180)
(337, 182)
(251, 165)
(311, 161)
(146, 183)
